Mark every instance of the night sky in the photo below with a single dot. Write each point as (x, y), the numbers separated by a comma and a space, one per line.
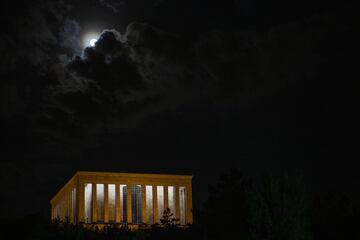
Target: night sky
(175, 86)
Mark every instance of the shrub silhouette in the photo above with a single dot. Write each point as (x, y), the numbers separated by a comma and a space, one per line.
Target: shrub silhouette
(168, 219)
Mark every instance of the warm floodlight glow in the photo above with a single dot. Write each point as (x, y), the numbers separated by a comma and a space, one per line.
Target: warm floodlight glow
(171, 200)
(88, 202)
(123, 202)
(149, 204)
(100, 201)
(92, 42)
(160, 202)
(112, 202)
(182, 204)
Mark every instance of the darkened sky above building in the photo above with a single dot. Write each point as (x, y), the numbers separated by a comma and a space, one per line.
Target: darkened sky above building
(194, 87)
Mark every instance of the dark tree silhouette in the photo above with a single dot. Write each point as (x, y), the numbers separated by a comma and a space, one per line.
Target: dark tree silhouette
(334, 217)
(226, 211)
(279, 210)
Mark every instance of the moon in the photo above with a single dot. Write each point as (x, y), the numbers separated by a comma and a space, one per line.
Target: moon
(92, 42)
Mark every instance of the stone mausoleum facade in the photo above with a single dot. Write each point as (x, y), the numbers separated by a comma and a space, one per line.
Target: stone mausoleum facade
(124, 198)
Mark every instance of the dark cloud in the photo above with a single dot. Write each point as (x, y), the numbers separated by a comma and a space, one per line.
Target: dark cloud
(70, 37)
(127, 78)
(142, 66)
(123, 80)
(10, 102)
(114, 5)
(33, 36)
(130, 77)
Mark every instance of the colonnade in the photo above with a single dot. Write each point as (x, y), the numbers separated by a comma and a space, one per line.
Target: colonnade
(123, 208)
(92, 197)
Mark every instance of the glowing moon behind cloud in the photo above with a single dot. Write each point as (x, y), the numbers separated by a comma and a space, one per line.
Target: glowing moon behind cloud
(92, 42)
(89, 39)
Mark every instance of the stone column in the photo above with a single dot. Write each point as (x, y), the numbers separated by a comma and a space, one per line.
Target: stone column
(52, 212)
(94, 203)
(74, 203)
(129, 203)
(80, 200)
(117, 204)
(166, 198)
(155, 205)
(66, 205)
(69, 212)
(106, 203)
(177, 203)
(61, 209)
(70, 205)
(143, 203)
(188, 192)
(63, 204)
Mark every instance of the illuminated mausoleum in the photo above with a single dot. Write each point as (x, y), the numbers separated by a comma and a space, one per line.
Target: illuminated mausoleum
(127, 198)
